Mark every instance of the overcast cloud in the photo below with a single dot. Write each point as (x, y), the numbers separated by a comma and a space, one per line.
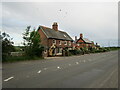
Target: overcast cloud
(98, 21)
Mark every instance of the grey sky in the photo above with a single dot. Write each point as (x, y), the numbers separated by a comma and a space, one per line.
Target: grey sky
(97, 21)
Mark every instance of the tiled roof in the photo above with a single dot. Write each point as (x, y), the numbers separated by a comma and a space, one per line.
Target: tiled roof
(50, 33)
(86, 40)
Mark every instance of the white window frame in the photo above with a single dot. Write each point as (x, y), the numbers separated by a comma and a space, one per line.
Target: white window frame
(69, 43)
(87, 45)
(54, 42)
(65, 42)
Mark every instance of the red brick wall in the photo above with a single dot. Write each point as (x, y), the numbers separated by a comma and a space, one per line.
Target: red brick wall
(44, 40)
(50, 42)
(83, 44)
(58, 45)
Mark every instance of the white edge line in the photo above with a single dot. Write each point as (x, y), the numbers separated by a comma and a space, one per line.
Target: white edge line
(8, 79)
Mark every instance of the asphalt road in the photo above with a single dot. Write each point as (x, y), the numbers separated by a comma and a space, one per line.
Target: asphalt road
(98, 70)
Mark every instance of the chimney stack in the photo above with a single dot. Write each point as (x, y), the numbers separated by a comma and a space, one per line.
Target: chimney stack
(81, 35)
(55, 26)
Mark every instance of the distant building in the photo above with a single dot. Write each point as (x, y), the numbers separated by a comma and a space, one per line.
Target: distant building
(97, 46)
(54, 40)
(84, 42)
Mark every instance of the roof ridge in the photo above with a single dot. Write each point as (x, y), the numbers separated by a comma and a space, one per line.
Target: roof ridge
(45, 27)
(51, 28)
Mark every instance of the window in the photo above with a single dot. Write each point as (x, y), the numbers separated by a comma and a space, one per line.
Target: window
(54, 41)
(60, 42)
(87, 45)
(65, 42)
(69, 43)
(59, 50)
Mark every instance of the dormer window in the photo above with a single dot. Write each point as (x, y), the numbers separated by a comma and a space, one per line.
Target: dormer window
(64, 35)
(54, 41)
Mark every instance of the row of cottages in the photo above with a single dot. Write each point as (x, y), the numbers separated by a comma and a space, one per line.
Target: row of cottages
(54, 40)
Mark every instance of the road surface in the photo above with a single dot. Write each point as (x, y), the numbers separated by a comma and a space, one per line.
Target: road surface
(99, 70)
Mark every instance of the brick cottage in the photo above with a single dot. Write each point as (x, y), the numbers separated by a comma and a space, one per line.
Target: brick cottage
(84, 42)
(54, 40)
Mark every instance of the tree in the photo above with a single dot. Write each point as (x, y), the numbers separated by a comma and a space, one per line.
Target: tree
(32, 43)
(7, 45)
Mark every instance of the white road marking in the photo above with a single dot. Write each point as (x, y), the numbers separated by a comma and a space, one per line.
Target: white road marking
(108, 78)
(58, 67)
(8, 79)
(77, 63)
(45, 68)
(39, 71)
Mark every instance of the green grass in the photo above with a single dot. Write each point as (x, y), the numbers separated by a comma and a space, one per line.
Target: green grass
(20, 58)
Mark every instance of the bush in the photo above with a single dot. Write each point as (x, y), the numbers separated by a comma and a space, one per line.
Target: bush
(114, 48)
(85, 50)
(75, 52)
(93, 50)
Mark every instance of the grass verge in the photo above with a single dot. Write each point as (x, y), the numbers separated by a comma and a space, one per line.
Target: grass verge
(11, 59)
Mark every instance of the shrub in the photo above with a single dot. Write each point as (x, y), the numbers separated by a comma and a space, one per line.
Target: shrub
(75, 52)
(93, 50)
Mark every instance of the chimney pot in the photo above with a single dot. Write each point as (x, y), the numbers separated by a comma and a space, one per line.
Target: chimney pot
(81, 35)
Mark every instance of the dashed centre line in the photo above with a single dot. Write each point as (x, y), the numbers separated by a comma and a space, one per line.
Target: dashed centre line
(77, 63)
(39, 71)
(8, 79)
(58, 67)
